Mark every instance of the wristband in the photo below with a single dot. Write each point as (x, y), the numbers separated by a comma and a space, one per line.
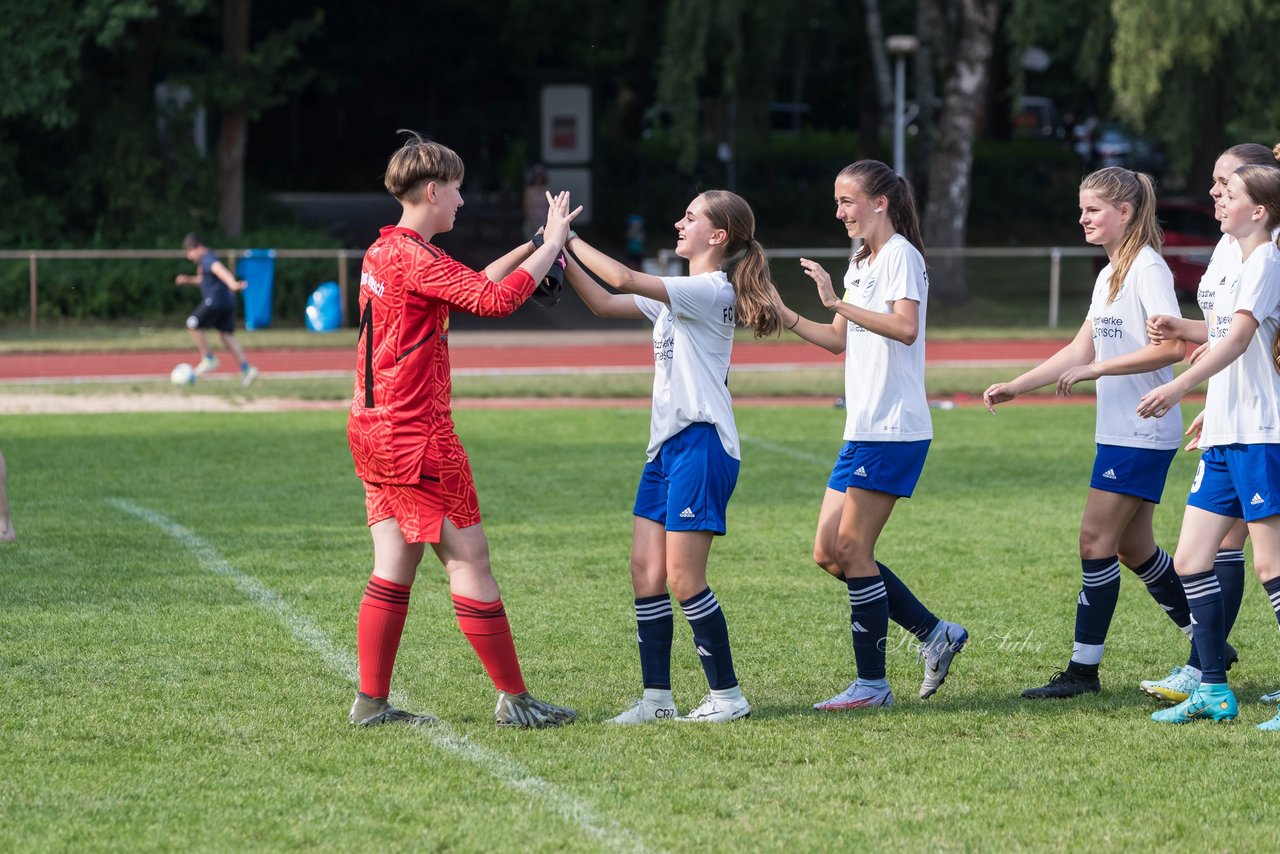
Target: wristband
(537, 240)
(797, 321)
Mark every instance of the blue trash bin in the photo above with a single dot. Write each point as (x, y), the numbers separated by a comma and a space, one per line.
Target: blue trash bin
(324, 309)
(257, 267)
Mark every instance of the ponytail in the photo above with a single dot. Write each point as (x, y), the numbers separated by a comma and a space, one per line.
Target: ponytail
(877, 179)
(744, 263)
(753, 287)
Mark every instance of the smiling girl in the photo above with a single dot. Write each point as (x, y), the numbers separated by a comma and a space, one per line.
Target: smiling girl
(1239, 473)
(879, 325)
(693, 454)
(1117, 212)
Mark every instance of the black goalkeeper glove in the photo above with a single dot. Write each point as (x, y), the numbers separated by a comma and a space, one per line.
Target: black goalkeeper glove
(547, 293)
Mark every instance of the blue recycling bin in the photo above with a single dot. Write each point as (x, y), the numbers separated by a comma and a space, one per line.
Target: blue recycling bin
(257, 267)
(324, 308)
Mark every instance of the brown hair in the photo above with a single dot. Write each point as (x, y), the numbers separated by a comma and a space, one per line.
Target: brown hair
(877, 179)
(744, 261)
(1262, 183)
(191, 241)
(417, 162)
(1252, 152)
(1117, 186)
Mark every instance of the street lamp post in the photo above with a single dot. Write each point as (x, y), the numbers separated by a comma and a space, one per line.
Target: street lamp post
(900, 47)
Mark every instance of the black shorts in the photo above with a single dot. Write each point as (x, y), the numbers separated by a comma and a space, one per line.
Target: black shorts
(208, 316)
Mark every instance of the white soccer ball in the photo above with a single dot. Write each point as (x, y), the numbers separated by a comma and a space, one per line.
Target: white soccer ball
(182, 374)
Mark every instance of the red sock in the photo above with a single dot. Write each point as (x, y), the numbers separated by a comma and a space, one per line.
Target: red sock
(378, 629)
(486, 627)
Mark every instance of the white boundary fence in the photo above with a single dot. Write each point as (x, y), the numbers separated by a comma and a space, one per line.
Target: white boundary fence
(667, 261)
(33, 256)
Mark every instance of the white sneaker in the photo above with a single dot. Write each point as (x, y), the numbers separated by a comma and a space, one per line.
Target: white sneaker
(948, 641)
(856, 696)
(206, 364)
(645, 711)
(719, 710)
(1180, 684)
(1273, 697)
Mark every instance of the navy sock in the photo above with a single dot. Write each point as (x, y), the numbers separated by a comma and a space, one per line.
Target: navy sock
(869, 621)
(1204, 595)
(654, 628)
(1095, 606)
(711, 637)
(1163, 585)
(904, 608)
(1228, 565)
(1273, 591)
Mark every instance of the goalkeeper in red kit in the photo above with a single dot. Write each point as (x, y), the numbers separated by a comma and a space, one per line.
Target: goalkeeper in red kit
(417, 481)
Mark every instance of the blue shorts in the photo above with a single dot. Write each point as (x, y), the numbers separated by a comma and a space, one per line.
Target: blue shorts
(892, 467)
(687, 486)
(1240, 481)
(1139, 472)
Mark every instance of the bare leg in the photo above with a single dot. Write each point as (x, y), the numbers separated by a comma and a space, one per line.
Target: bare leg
(202, 343)
(233, 344)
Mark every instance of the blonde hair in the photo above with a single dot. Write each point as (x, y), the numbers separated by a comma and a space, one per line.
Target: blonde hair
(417, 162)
(1117, 186)
(744, 261)
(1262, 183)
(876, 179)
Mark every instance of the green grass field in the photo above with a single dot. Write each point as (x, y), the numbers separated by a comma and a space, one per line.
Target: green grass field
(177, 651)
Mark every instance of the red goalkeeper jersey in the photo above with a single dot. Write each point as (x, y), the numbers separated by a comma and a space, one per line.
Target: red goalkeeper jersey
(401, 420)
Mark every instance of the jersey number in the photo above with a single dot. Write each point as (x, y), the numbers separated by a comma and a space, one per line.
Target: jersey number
(366, 329)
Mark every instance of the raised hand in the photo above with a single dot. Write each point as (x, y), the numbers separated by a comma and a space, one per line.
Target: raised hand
(556, 231)
(822, 279)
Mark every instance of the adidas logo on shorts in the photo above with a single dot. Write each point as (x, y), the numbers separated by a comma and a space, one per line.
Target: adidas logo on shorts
(687, 513)
(860, 472)
(1257, 499)
(1109, 474)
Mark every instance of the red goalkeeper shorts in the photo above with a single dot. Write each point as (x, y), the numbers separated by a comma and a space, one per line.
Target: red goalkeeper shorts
(421, 508)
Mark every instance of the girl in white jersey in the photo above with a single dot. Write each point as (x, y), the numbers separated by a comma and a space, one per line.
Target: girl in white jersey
(1239, 473)
(693, 454)
(1117, 212)
(879, 325)
(1228, 564)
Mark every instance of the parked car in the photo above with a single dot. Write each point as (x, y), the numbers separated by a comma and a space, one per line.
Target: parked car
(1188, 222)
(1116, 145)
(1036, 117)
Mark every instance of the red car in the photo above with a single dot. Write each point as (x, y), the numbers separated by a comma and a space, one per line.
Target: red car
(1188, 223)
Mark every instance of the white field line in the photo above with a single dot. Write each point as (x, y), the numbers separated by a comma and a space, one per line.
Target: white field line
(343, 664)
(783, 450)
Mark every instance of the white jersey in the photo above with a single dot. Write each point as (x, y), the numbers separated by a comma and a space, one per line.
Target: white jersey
(1223, 264)
(884, 396)
(1244, 397)
(1120, 328)
(692, 343)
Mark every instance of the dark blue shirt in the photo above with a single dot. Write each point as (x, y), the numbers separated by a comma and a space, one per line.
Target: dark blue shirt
(214, 291)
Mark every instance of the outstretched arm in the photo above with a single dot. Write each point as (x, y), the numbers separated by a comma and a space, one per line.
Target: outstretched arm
(601, 302)
(901, 324)
(1152, 357)
(618, 275)
(502, 267)
(1158, 401)
(828, 336)
(1078, 352)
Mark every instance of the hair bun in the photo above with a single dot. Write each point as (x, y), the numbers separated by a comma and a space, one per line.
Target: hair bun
(1275, 152)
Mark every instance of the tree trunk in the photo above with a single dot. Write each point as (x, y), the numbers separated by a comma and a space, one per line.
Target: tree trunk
(879, 55)
(234, 133)
(963, 32)
(926, 104)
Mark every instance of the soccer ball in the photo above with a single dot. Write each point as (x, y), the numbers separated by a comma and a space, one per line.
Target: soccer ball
(182, 374)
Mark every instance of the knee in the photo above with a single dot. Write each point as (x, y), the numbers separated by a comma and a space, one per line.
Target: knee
(1095, 544)
(825, 558)
(1265, 569)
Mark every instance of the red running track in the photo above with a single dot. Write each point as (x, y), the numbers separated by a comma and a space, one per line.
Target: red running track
(562, 355)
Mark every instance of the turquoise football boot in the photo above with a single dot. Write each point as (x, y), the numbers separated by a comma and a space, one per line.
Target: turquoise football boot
(1207, 702)
(1272, 725)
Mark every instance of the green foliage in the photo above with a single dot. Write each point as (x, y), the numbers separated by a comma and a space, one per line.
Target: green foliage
(189, 692)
